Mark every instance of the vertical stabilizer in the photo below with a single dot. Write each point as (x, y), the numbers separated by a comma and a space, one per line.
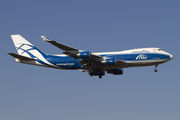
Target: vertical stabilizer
(25, 48)
(28, 53)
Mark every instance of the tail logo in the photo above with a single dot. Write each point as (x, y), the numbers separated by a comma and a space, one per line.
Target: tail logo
(25, 49)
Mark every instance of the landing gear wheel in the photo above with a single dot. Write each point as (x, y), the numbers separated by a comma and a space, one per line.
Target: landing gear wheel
(90, 73)
(100, 76)
(155, 70)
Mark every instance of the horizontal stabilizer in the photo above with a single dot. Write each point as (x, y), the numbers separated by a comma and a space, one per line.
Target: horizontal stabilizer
(20, 57)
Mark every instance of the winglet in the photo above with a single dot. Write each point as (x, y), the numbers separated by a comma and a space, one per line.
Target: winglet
(45, 38)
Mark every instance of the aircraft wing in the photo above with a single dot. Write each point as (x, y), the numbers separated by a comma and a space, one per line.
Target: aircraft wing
(88, 59)
(68, 50)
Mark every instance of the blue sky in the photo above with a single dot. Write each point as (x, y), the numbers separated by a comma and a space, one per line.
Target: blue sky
(37, 93)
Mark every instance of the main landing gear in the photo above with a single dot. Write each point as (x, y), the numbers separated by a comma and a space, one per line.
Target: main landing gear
(155, 70)
(97, 72)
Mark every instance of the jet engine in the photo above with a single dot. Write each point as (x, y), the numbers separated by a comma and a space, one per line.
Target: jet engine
(84, 54)
(118, 71)
(111, 61)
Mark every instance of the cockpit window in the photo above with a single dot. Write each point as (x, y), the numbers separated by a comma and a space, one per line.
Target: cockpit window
(159, 49)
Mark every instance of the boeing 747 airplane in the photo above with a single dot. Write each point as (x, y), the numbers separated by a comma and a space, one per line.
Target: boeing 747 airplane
(94, 63)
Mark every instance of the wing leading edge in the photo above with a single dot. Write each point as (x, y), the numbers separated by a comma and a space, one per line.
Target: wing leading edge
(59, 45)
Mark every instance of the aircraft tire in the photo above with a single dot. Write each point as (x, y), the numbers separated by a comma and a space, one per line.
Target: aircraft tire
(100, 76)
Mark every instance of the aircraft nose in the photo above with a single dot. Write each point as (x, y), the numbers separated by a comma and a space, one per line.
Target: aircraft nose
(171, 56)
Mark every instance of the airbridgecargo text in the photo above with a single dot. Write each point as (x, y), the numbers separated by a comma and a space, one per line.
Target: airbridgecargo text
(65, 64)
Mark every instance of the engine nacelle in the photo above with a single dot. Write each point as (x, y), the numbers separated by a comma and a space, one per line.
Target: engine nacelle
(111, 61)
(96, 73)
(118, 71)
(85, 54)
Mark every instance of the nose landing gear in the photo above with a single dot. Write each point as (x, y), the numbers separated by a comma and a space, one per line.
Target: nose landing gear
(155, 70)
